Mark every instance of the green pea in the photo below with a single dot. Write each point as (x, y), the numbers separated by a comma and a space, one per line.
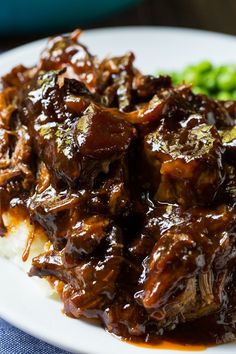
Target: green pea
(224, 96)
(226, 68)
(209, 80)
(203, 66)
(176, 78)
(215, 81)
(191, 76)
(200, 90)
(227, 80)
(233, 95)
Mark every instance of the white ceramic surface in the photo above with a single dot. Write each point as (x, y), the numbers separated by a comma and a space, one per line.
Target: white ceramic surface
(21, 302)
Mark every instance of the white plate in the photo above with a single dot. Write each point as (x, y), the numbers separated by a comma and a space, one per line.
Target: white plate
(21, 303)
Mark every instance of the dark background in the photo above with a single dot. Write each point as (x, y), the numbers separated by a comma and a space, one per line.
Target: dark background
(213, 15)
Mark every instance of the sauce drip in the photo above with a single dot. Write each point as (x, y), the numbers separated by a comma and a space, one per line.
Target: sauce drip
(133, 182)
(28, 245)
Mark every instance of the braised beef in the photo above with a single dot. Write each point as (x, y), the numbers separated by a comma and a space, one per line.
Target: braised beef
(188, 161)
(134, 183)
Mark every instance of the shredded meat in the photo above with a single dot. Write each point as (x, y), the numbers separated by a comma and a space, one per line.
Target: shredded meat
(134, 183)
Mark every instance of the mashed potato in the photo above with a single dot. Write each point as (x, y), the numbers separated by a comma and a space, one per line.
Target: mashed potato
(14, 243)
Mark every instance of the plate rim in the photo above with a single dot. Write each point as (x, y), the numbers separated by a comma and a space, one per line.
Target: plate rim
(37, 43)
(184, 30)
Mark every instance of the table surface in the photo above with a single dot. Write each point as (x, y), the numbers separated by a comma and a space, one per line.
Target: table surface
(14, 341)
(199, 14)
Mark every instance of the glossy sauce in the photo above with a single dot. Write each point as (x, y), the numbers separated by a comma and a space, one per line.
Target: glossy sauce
(171, 346)
(133, 182)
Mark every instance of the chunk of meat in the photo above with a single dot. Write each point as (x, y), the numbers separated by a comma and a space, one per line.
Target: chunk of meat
(83, 238)
(17, 77)
(91, 137)
(112, 195)
(115, 81)
(126, 318)
(228, 188)
(146, 86)
(15, 147)
(174, 287)
(215, 112)
(90, 283)
(66, 52)
(228, 137)
(187, 162)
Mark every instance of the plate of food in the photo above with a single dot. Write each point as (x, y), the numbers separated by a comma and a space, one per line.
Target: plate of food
(118, 190)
